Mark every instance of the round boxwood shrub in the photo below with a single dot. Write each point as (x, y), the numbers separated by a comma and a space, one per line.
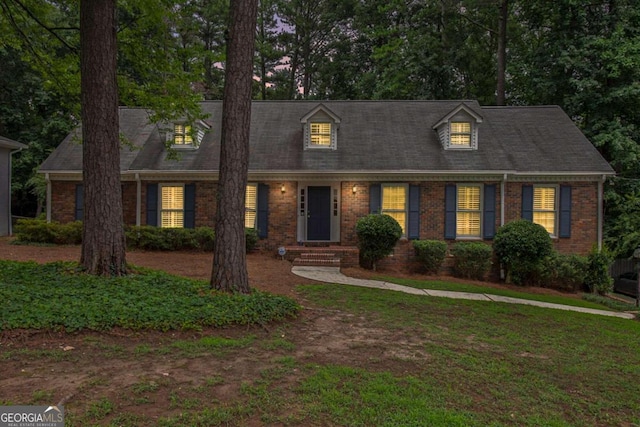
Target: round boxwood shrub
(377, 236)
(520, 247)
(431, 254)
(472, 260)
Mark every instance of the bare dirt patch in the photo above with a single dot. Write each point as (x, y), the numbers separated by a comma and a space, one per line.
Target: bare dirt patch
(143, 373)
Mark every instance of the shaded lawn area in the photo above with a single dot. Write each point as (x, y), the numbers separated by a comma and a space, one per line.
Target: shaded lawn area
(356, 357)
(59, 296)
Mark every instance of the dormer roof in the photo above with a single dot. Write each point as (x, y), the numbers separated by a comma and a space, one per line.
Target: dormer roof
(320, 109)
(460, 108)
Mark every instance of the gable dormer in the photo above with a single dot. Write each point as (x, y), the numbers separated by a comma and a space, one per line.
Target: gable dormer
(320, 127)
(184, 135)
(458, 130)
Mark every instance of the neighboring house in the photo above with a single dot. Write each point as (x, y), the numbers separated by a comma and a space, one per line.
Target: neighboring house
(7, 148)
(447, 170)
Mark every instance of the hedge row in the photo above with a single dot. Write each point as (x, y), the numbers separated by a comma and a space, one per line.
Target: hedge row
(138, 237)
(525, 253)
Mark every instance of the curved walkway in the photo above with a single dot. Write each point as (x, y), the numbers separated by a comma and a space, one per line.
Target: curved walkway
(333, 275)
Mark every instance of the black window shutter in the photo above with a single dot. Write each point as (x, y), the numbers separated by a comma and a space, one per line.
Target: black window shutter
(375, 198)
(489, 212)
(152, 204)
(450, 211)
(79, 212)
(565, 211)
(527, 202)
(414, 212)
(263, 211)
(190, 206)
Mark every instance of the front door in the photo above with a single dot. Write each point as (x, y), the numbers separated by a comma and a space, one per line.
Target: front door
(319, 213)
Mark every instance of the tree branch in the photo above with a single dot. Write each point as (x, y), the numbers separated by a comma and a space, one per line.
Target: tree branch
(49, 30)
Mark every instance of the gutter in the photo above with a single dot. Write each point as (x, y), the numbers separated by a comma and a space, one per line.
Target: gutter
(600, 217)
(11, 152)
(138, 199)
(48, 200)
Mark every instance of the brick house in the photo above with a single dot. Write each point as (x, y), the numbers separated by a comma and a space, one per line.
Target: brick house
(447, 170)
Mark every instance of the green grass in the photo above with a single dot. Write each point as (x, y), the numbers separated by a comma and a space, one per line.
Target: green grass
(586, 301)
(59, 296)
(466, 363)
(485, 364)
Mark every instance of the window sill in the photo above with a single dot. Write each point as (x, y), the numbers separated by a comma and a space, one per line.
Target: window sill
(184, 147)
(460, 148)
(320, 147)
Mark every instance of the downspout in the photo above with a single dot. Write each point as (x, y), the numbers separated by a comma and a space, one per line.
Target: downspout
(48, 200)
(600, 209)
(138, 199)
(11, 152)
(502, 192)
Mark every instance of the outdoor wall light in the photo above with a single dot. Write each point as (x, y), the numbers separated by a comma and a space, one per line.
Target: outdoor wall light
(282, 189)
(354, 189)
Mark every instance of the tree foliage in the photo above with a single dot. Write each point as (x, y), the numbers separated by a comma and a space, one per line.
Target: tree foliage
(582, 55)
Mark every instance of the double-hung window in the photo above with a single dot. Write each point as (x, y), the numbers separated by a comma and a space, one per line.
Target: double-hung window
(320, 134)
(251, 206)
(395, 202)
(172, 206)
(460, 134)
(182, 134)
(468, 211)
(545, 207)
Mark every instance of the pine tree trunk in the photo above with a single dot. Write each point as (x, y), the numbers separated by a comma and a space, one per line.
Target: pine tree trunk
(502, 52)
(229, 253)
(103, 241)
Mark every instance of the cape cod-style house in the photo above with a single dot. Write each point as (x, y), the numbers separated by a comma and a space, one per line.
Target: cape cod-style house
(447, 170)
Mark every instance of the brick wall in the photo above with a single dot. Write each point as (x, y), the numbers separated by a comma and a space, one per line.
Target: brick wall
(283, 213)
(63, 201)
(129, 196)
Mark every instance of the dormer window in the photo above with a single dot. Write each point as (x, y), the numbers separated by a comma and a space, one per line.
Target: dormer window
(182, 135)
(185, 136)
(321, 134)
(458, 130)
(320, 127)
(460, 134)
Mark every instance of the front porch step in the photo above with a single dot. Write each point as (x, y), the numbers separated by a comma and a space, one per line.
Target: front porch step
(316, 259)
(321, 256)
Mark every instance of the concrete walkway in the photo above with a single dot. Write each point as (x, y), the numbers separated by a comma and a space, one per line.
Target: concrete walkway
(333, 275)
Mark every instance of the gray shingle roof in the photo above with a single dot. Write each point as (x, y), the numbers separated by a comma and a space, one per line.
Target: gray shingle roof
(373, 136)
(10, 144)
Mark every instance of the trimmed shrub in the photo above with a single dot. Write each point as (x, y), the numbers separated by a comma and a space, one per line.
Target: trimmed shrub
(431, 254)
(142, 237)
(472, 260)
(597, 278)
(41, 231)
(377, 236)
(520, 247)
(565, 272)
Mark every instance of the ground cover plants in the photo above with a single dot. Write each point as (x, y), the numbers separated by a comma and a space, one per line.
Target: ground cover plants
(59, 296)
(351, 357)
